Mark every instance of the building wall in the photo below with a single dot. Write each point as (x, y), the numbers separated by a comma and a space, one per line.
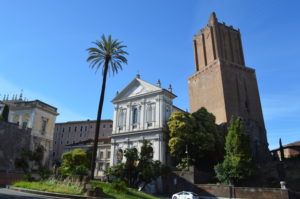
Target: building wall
(40, 118)
(12, 141)
(129, 133)
(206, 90)
(73, 132)
(163, 108)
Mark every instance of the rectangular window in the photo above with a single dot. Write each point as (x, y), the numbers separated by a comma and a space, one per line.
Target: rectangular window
(81, 128)
(122, 119)
(150, 114)
(63, 129)
(134, 115)
(101, 155)
(110, 126)
(69, 129)
(75, 128)
(44, 125)
(104, 126)
(108, 155)
(100, 166)
(85, 128)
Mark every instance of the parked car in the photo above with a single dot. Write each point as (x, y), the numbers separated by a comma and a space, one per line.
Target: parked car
(185, 195)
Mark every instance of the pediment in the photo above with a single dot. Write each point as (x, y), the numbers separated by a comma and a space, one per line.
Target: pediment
(136, 88)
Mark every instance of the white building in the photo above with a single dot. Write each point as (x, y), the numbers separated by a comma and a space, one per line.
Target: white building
(141, 111)
(40, 118)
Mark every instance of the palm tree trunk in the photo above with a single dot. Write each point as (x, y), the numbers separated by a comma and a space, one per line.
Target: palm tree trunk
(99, 119)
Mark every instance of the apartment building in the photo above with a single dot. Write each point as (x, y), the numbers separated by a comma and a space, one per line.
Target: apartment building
(77, 131)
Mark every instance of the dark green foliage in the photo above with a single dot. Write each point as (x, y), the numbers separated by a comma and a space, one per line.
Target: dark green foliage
(197, 133)
(74, 162)
(44, 172)
(22, 161)
(138, 168)
(36, 157)
(5, 113)
(108, 55)
(238, 164)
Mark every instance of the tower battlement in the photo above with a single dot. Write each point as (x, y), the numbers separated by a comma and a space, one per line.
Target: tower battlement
(217, 41)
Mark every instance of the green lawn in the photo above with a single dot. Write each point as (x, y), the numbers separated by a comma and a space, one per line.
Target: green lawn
(48, 186)
(107, 188)
(127, 193)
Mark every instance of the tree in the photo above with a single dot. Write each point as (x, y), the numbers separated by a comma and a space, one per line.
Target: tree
(281, 150)
(197, 135)
(75, 162)
(5, 112)
(238, 164)
(109, 55)
(139, 169)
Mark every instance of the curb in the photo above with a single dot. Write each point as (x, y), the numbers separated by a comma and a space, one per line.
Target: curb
(45, 193)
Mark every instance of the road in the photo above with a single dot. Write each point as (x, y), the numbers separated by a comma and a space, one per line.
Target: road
(10, 194)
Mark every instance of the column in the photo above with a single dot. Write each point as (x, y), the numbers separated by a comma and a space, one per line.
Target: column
(128, 114)
(115, 121)
(142, 116)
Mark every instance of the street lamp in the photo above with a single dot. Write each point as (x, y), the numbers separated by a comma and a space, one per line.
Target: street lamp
(187, 156)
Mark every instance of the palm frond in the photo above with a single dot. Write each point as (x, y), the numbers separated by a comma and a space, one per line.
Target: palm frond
(107, 50)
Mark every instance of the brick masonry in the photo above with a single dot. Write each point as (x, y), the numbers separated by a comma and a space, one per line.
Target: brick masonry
(224, 85)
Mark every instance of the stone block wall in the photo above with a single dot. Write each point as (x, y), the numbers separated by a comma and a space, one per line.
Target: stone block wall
(12, 140)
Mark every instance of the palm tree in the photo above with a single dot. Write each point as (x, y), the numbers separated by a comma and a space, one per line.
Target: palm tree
(109, 55)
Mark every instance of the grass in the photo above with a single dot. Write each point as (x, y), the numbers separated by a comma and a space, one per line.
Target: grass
(49, 186)
(108, 189)
(125, 192)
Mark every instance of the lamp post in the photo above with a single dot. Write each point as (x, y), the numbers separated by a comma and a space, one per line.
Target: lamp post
(187, 156)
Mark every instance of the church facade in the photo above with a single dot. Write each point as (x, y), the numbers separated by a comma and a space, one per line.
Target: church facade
(140, 113)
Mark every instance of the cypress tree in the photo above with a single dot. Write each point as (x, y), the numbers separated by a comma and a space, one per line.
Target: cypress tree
(5, 112)
(238, 164)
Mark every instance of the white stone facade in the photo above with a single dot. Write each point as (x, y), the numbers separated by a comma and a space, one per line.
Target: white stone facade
(140, 113)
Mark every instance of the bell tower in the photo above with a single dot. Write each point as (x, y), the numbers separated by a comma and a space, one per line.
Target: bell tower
(223, 84)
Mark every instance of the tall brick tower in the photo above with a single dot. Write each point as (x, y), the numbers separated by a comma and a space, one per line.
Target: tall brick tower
(224, 85)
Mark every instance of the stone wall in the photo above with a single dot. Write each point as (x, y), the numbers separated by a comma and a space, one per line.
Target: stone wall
(12, 140)
(242, 192)
(7, 178)
(179, 181)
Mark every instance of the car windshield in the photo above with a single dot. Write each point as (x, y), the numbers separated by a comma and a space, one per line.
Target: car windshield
(193, 194)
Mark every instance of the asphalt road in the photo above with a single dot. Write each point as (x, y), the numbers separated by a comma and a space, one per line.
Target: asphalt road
(11, 194)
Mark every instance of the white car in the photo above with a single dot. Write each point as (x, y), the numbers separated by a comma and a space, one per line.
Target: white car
(185, 195)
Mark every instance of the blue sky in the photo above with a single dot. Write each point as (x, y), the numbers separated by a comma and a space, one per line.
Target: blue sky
(43, 51)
